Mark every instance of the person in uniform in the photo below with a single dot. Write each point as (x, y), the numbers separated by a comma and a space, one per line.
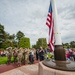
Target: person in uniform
(19, 57)
(9, 55)
(26, 56)
(15, 54)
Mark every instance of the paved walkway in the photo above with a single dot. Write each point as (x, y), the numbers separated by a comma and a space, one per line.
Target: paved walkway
(23, 70)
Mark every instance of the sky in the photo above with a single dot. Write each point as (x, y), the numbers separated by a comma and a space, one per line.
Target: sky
(29, 16)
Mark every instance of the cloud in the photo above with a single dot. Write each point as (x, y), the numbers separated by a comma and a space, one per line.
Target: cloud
(67, 20)
(29, 16)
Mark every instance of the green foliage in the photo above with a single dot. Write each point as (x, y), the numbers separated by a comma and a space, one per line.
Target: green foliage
(41, 42)
(2, 33)
(72, 44)
(11, 37)
(3, 60)
(7, 40)
(19, 35)
(34, 46)
(24, 42)
(69, 45)
(66, 45)
(49, 55)
(15, 43)
(1, 49)
(1, 28)
(7, 44)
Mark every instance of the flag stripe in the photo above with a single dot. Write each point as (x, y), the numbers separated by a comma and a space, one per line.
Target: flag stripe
(50, 24)
(48, 20)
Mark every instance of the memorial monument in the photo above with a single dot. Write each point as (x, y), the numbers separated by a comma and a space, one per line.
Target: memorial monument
(60, 66)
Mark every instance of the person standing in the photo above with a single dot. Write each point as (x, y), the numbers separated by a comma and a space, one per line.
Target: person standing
(37, 54)
(19, 58)
(73, 55)
(15, 56)
(41, 54)
(9, 55)
(26, 56)
(31, 57)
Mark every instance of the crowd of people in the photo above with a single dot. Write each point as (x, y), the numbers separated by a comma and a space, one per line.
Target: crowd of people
(27, 56)
(20, 55)
(70, 54)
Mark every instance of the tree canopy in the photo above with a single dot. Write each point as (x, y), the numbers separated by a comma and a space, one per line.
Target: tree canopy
(24, 42)
(19, 35)
(19, 40)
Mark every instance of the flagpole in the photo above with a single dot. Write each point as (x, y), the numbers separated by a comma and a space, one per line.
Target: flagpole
(57, 33)
(59, 52)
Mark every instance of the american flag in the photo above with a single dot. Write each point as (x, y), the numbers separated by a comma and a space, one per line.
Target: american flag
(50, 25)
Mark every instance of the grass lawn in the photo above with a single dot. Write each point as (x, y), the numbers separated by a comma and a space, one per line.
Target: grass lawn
(3, 60)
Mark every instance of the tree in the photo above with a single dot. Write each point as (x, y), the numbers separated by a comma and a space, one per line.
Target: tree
(1, 28)
(2, 32)
(11, 37)
(41, 42)
(34, 46)
(2, 35)
(24, 42)
(6, 44)
(15, 43)
(72, 44)
(19, 35)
